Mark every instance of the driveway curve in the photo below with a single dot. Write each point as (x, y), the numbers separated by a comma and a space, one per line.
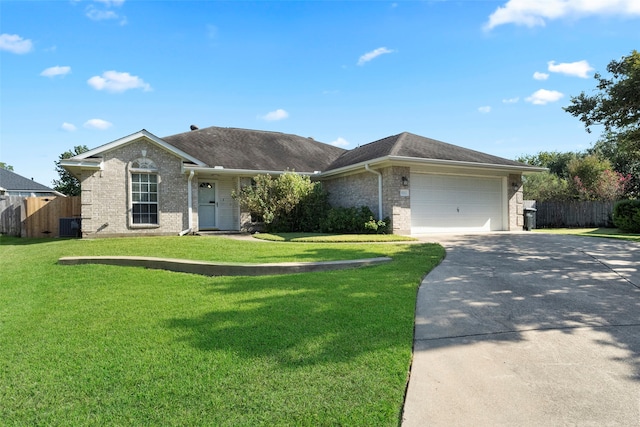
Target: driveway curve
(527, 329)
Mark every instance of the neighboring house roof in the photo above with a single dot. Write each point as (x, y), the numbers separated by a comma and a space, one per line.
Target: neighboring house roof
(406, 146)
(11, 182)
(247, 149)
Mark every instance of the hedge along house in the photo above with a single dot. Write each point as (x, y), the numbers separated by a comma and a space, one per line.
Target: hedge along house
(145, 185)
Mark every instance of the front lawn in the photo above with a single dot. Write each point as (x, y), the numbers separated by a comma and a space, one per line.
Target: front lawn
(108, 345)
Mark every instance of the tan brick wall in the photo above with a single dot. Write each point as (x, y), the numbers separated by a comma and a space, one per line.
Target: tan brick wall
(516, 202)
(359, 189)
(396, 206)
(105, 194)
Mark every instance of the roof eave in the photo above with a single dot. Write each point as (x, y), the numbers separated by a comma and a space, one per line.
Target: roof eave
(435, 162)
(245, 172)
(459, 163)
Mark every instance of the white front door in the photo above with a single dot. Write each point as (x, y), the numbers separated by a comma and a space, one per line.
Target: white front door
(207, 205)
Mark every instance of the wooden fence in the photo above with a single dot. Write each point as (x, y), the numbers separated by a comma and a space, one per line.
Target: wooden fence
(36, 216)
(558, 214)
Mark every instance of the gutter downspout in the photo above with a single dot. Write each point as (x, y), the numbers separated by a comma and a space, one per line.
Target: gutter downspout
(368, 169)
(190, 203)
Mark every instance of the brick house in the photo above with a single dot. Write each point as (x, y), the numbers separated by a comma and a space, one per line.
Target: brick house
(145, 185)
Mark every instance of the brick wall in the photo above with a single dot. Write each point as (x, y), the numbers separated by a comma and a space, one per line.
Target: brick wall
(516, 202)
(105, 194)
(359, 189)
(396, 198)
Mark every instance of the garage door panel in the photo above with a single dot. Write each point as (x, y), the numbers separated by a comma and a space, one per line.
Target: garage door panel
(452, 203)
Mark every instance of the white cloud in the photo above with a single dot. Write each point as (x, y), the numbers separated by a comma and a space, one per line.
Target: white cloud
(100, 15)
(373, 54)
(511, 100)
(543, 96)
(340, 142)
(540, 76)
(104, 11)
(114, 81)
(15, 44)
(276, 115)
(576, 69)
(68, 127)
(484, 110)
(56, 71)
(98, 124)
(533, 13)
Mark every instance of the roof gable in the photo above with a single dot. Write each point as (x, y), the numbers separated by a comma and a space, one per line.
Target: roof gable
(408, 145)
(133, 137)
(11, 181)
(246, 149)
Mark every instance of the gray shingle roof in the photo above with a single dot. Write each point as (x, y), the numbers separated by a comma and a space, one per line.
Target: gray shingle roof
(13, 182)
(416, 146)
(234, 148)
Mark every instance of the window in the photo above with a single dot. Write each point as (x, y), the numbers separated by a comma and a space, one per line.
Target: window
(144, 192)
(144, 198)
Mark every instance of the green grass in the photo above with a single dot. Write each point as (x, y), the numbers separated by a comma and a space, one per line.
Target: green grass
(611, 233)
(107, 345)
(332, 238)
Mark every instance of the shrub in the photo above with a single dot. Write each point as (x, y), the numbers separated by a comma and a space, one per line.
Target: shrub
(274, 198)
(307, 215)
(626, 215)
(352, 220)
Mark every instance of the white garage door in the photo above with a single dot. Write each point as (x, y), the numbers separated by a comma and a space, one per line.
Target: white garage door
(441, 203)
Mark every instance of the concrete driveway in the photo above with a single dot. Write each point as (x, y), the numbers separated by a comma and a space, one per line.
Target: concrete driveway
(528, 329)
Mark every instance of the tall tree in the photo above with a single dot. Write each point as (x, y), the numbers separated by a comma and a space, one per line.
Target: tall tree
(3, 165)
(556, 162)
(68, 184)
(616, 105)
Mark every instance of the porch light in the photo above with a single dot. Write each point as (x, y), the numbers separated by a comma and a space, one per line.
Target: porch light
(515, 186)
(405, 181)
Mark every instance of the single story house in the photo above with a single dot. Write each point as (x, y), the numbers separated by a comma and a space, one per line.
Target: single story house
(12, 184)
(143, 184)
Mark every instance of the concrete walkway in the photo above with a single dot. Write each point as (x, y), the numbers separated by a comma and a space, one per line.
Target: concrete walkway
(528, 329)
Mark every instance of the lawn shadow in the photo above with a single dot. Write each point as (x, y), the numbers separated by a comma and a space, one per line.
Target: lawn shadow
(306, 319)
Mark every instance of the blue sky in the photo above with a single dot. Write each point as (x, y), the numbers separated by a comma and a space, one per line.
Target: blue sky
(487, 75)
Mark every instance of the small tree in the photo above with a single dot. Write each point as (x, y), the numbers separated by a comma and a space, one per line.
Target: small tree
(612, 185)
(274, 198)
(68, 184)
(546, 186)
(624, 161)
(585, 174)
(5, 166)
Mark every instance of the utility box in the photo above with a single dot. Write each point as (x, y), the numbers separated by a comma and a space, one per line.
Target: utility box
(70, 227)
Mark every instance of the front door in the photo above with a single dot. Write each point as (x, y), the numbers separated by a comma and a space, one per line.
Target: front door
(207, 205)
